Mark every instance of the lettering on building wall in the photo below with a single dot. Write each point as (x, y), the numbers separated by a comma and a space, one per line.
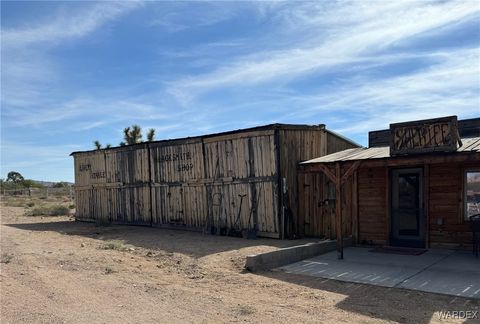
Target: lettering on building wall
(85, 167)
(181, 159)
(184, 156)
(424, 136)
(97, 175)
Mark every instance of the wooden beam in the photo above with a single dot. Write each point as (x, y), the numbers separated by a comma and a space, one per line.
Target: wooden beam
(326, 170)
(338, 212)
(433, 158)
(350, 170)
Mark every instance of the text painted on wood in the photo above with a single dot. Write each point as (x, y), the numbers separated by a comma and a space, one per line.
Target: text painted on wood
(93, 174)
(183, 160)
(425, 136)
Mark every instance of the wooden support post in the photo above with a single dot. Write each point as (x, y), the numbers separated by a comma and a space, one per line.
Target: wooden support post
(426, 199)
(355, 222)
(338, 212)
(388, 205)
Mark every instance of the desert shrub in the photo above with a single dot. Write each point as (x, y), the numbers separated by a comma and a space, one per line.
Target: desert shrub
(38, 211)
(14, 202)
(245, 309)
(59, 210)
(116, 245)
(30, 204)
(6, 258)
(55, 210)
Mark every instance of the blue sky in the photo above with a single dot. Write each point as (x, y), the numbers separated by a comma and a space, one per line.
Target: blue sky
(73, 72)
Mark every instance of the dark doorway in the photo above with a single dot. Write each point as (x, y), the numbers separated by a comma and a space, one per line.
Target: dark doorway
(407, 215)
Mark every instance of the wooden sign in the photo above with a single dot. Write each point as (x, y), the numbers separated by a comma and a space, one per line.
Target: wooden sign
(431, 135)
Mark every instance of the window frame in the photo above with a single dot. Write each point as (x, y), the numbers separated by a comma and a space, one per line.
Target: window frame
(464, 188)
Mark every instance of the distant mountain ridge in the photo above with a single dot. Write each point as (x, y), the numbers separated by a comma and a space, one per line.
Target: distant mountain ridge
(50, 183)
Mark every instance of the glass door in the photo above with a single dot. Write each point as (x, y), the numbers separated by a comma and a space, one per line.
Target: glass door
(407, 216)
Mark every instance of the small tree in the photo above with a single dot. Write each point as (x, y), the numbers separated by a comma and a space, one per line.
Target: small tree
(15, 177)
(61, 184)
(108, 146)
(97, 144)
(151, 135)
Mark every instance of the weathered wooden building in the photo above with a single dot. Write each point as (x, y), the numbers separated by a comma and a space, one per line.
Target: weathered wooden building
(232, 182)
(416, 185)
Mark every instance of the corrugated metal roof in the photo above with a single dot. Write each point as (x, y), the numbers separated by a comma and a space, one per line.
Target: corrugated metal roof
(468, 145)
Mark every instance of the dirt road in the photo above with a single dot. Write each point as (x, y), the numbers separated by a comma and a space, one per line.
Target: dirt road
(56, 270)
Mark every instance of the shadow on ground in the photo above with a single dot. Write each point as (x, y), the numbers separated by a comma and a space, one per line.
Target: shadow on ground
(194, 244)
(391, 304)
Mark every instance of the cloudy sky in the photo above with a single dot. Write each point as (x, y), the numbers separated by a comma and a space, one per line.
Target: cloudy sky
(74, 72)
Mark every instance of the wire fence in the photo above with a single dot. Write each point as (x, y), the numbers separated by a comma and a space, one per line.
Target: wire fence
(39, 192)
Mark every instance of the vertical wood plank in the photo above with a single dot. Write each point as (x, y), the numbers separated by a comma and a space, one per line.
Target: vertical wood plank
(338, 211)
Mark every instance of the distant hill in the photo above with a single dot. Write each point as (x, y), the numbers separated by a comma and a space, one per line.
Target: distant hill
(50, 183)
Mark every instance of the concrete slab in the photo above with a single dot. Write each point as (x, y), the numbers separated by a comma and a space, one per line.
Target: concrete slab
(440, 271)
(280, 257)
(458, 275)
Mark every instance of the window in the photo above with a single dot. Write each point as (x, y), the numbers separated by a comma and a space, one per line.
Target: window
(472, 193)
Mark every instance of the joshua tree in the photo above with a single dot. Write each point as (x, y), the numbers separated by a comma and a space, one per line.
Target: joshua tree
(132, 135)
(97, 144)
(126, 135)
(151, 135)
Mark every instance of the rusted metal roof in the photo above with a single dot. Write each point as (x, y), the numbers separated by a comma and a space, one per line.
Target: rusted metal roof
(468, 145)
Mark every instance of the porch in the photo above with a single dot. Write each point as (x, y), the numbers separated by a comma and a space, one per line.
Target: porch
(450, 272)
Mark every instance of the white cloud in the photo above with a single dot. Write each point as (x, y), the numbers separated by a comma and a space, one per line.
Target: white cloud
(180, 16)
(77, 110)
(354, 30)
(69, 26)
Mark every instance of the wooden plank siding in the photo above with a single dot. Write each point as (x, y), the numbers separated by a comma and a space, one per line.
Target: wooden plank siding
(446, 202)
(366, 210)
(317, 206)
(372, 202)
(217, 183)
(309, 191)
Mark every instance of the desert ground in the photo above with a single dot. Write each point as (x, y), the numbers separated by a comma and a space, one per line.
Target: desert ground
(57, 270)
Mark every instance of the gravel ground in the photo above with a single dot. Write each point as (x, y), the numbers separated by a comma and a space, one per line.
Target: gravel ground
(56, 270)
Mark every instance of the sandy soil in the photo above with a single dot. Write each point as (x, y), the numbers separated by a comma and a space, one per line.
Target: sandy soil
(56, 270)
